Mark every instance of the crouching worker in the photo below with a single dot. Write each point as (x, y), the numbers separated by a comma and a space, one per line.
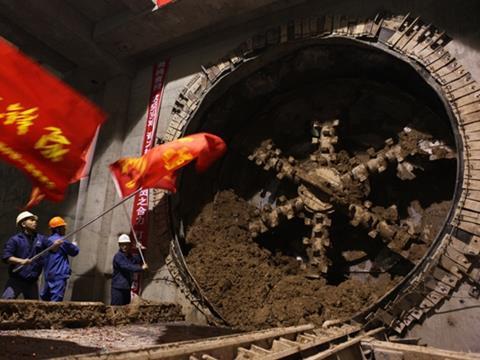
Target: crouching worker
(57, 266)
(124, 265)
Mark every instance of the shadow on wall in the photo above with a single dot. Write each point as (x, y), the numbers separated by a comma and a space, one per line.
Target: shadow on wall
(158, 246)
(89, 286)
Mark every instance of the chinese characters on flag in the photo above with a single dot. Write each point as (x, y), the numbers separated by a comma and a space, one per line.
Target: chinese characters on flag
(157, 167)
(46, 128)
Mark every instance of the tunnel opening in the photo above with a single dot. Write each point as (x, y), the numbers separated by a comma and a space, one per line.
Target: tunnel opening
(339, 175)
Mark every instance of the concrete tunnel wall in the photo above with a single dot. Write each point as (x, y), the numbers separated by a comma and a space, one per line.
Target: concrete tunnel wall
(126, 100)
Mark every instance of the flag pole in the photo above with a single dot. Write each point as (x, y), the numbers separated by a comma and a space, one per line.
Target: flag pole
(43, 252)
(139, 246)
(82, 187)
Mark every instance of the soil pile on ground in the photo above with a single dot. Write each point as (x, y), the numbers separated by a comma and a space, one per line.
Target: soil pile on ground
(253, 288)
(31, 314)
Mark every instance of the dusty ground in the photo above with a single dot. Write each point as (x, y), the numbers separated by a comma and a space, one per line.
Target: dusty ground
(51, 343)
(251, 287)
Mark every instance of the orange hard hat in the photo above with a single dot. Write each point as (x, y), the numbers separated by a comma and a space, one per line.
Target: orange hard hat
(56, 221)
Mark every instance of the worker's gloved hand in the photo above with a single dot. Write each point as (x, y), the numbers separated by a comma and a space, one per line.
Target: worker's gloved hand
(56, 244)
(144, 267)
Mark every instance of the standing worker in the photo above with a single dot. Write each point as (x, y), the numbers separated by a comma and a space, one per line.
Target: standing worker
(124, 265)
(18, 250)
(56, 268)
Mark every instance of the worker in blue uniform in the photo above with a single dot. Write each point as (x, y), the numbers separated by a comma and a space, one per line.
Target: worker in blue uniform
(124, 266)
(56, 268)
(18, 251)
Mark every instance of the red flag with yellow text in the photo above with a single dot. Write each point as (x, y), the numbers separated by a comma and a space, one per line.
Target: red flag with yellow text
(46, 128)
(157, 167)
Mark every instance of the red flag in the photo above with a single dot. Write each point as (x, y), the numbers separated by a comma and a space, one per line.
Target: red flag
(46, 128)
(161, 3)
(157, 167)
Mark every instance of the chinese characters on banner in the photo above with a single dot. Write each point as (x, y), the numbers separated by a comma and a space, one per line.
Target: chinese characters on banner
(157, 168)
(46, 128)
(141, 200)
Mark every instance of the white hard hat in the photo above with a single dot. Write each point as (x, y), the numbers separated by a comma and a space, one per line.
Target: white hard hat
(124, 239)
(25, 215)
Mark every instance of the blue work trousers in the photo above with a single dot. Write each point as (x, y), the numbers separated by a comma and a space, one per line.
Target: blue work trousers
(120, 296)
(15, 287)
(54, 290)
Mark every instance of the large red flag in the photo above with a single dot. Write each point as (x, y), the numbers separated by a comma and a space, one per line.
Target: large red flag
(46, 128)
(157, 167)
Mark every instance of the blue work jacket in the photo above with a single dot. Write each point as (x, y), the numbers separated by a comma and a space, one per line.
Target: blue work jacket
(57, 266)
(123, 267)
(23, 246)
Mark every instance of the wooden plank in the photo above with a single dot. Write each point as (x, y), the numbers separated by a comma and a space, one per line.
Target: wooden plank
(462, 247)
(467, 100)
(402, 27)
(441, 62)
(460, 82)
(472, 126)
(468, 89)
(422, 42)
(469, 227)
(468, 216)
(360, 28)
(451, 266)
(472, 184)
(431, 46)
(411, 33)
(475, 243)
(473, 164)
(415, 40)
(472, 137)
(445, 277)
(467, 109)
(436, 55)
(472, 195)
(458, 257)
(351, 26)
(470, 118)
(472, 205)
(388, 350)
(450, 73)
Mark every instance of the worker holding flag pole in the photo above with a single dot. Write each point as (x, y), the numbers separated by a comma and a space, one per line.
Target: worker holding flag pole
(157, 169)
(47, 130)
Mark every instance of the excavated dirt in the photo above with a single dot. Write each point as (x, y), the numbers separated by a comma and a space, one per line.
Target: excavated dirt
(266, 281)
(28, 314)
(253, 288)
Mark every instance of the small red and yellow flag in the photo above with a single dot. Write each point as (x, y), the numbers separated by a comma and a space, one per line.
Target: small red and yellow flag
(157, 167)
(46, 128)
